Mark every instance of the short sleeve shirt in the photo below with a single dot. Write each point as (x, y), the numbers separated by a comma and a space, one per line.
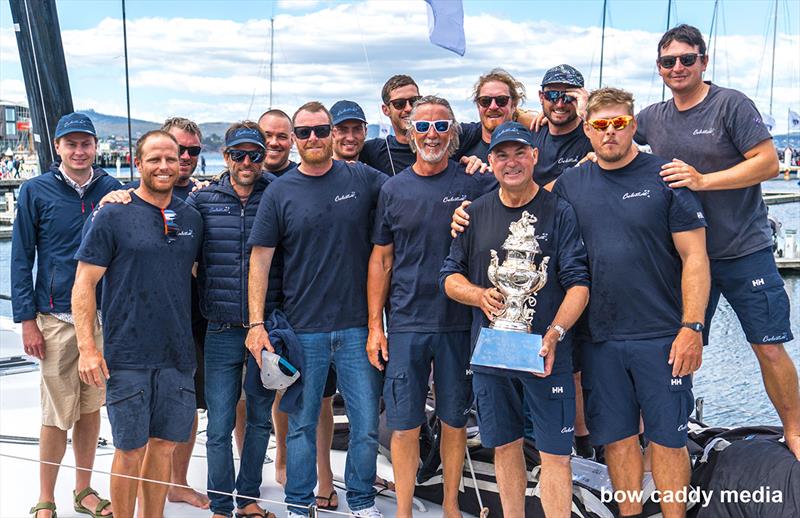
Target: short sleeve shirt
(558, 152)
(387, 155)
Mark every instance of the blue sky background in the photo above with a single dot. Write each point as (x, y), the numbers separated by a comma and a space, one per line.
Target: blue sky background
(209, 59)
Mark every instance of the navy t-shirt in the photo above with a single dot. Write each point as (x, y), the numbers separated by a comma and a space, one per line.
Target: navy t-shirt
(558, 152)
(414, 214)
(323, 224)
(714, 136)
(390, 159)
(180, 192)
(471, 142)
(559, 238)
(627, 217)
(288, 167)
(147, 283)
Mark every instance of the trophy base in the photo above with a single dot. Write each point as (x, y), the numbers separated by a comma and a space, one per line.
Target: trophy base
(509, 350)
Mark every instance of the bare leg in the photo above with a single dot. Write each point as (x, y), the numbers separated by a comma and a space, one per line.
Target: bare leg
(509, 464)
(180, 467)
(280, 423)
(324, 442)
(238, 428)
(405, 462)
(671, 471)
(556, 483)
(52, 445)
(156, 466)
(123, 489)
(84, 444)
(625, 466)
(580, 419)
(454, 442)
(780, 380)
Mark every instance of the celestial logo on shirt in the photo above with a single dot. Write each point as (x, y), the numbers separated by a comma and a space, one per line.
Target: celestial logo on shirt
(568, 429)
(450, 198)
(700, 215)
(682, 427)
(565, 160)
(771, 339)
(220, 210)
(348, 196)
(637, 194)
(709, 131)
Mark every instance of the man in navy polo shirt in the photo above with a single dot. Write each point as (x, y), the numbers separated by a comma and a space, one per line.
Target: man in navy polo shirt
(320, 215)
(650, 281)
(425, 328)
(144, 252)
(721, 149)
(500, 393)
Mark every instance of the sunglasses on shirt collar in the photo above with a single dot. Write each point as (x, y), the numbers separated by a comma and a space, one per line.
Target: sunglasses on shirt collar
(171, 229)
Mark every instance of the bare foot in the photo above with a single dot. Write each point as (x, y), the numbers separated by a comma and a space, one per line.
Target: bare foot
(188, 496)
(384, 484)
(254, 509)
(327, 498)
(90, 502)
(793, 442)
(280, 474)
(451, 511)
(43, 513)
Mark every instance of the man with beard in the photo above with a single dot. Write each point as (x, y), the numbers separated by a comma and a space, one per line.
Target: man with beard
(721, 149)
(277, 127)
(228, 207)
(148, 359)
(650, 283)
(319, 214)
(425, 328)
(349, 130)
(501, 394)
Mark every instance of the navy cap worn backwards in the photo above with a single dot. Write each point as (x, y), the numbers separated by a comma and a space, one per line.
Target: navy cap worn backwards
(511, 132)
(564, 74)
(74, 123)
(345, 111)
(245, 136)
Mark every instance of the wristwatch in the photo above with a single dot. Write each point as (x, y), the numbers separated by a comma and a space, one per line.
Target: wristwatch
(560, 330)
(694, 326)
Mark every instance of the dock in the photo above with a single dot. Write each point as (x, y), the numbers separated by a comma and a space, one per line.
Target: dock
(788, 264)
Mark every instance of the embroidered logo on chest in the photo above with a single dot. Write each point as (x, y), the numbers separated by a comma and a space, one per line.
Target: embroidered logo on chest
(636, 194)
(347, 196)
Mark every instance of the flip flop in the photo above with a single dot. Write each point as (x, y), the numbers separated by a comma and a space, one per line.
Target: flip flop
(328, 506)
(98, 511)
(44, 506)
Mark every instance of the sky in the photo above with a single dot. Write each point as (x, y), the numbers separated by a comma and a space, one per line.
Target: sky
(209, 60)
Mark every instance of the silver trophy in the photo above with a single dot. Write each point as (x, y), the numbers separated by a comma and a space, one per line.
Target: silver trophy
(507, 343)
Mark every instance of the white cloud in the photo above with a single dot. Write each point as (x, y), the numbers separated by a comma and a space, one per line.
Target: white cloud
(297, 4)
(13, 90)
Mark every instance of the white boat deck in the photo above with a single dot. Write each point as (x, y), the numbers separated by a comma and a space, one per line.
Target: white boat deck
(19, 479)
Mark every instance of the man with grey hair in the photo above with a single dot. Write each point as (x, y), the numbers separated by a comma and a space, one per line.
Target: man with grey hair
(425, 327)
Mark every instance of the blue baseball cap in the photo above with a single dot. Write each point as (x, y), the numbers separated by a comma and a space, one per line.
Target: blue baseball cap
(564, 74)
(345, 111)
(74, 123)
(245, 136)
(511, 132)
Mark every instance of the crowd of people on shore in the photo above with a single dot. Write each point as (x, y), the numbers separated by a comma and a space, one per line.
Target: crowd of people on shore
(153, 298)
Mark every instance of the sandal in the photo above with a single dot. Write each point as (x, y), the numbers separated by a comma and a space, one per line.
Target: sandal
(329, 505)
(101, 505)
(44, 506)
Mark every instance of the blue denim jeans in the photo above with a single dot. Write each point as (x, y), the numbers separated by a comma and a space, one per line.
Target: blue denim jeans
(360, 385)
(225, 355)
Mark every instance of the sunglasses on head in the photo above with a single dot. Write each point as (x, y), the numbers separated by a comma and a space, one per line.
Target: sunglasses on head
(192, 150)
(171, 228)
(500, 100)
(620, 123)
(237, 155)
(399, 104)
(304, 132)
(440, 126)
(554, 95)
(687, 60)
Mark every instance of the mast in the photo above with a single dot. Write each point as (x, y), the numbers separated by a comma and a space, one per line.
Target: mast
(127, 91)
(271, 55)
(44, 70)
(712, 40)
(772, 73)
(602, 43)
(669, 12)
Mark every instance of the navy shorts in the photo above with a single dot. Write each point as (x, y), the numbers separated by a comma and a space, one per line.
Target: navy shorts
(550, 401)
(623, 379)
(145, 403)
(408, 371)
(754, 289)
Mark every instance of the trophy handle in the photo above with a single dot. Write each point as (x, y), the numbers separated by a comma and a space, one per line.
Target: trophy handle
(494, 264)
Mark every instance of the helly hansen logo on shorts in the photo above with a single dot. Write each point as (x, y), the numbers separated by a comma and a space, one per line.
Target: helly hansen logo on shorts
(558, 390)
(758, 282)
(676, 382)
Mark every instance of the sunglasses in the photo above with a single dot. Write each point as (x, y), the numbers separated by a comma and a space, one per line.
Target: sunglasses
(687, 60)
(171, 228)
(440, 126)
(399, 104)
(304, 132)
(554, 95)
(237, 155)
(620, 123)
(500, 100)
(192, 150)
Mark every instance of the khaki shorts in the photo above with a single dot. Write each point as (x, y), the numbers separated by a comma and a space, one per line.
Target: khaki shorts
(64, 396)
